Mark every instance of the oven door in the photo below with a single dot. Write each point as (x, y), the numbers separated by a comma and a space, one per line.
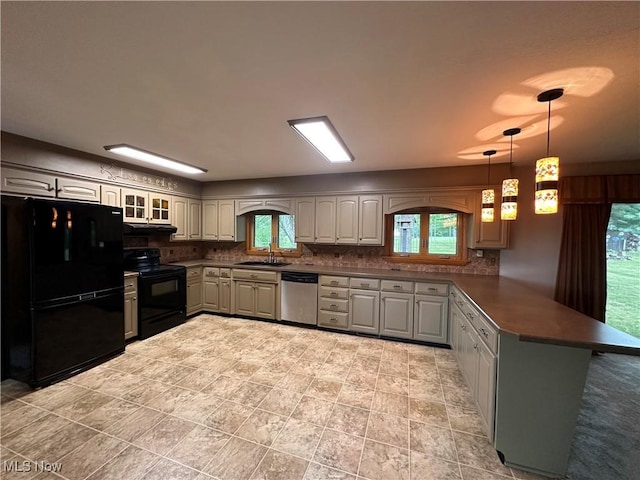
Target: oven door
(161, 294)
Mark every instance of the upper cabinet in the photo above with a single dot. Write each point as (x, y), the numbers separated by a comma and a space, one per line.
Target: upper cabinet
(305, 213)
(488, 234)
(145, 207)
(38, 184)
(219, 221)
(347, 219)
(77, 189)
(285, 205)
(110, 195)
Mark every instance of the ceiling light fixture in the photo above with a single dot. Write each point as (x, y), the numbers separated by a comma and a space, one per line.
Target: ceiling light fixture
(158, 160)
(323, 136)
(548, 168)
(509, 210)
(488, 195)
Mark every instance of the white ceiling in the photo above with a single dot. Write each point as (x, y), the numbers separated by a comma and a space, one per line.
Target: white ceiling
(408, 85)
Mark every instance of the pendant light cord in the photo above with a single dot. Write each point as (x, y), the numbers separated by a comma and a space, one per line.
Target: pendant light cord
(489, 172)
(511, 157)
(548, 128)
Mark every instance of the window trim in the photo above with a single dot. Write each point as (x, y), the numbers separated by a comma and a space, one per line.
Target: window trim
(462, 258)
(250, 249)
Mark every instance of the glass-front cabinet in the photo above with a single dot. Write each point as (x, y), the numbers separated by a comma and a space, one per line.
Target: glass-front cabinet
(145, 207)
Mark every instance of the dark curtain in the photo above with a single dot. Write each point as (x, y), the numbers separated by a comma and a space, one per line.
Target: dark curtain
(581, 282)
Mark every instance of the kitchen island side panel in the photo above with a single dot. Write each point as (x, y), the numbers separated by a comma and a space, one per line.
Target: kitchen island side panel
(538, 398)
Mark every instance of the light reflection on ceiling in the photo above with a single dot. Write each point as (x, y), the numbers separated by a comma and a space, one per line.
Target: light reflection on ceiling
(524, 110)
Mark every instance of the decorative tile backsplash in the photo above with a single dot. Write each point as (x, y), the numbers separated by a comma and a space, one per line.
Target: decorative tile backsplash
(326, 255)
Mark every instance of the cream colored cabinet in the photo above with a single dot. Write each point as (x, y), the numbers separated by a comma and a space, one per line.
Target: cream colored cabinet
(325, 225)
(396, 314)
(256, 299)
(333, 302)
(211, 288)
(110, 195)
(194, 220)
(225, 291)
(219, 221)
(305, 219)
(488, 234)
(145, 207)
(347, 220)
(179, 217)
(430, 318)
(364, 311)
(72, 189)
(130, 307)
(371, 220)
(194, 290)
(24, 182)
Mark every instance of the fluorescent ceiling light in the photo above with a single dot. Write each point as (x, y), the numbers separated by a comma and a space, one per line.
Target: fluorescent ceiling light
(139, 154)
(322, 135)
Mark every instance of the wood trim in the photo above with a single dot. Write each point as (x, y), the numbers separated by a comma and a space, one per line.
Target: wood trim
(251, 250)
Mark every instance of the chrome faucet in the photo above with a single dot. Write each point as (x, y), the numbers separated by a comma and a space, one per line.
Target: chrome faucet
(272, 255)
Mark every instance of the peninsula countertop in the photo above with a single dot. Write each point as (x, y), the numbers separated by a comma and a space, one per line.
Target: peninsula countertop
(514, 308)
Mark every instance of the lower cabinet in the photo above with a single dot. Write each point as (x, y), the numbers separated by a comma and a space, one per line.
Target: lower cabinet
(130, 307)
(194, 290)
(224, 301)
(255, 299)
(364, 311)
(211, 288)
(430, 318)
(396, 314)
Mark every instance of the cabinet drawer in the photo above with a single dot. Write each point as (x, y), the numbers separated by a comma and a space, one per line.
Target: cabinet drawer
(333, 319)
(328, 292)
(397, 286)
(211, 272)
(486, 332)
(194, 275)
(432, 288)
(333, 304)
(330, 281)
(225, 272)
(365, 283)
(255, 275)
(130, 284)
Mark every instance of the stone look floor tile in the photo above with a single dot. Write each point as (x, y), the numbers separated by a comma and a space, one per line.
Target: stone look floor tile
(362, 378)
(228, 417)
(132, 462)
(355, 396)
(80, 463)
(432, 440)
(339, 450)
(224, 387)
(298, 438)
(23, 441)
(477, 452)
(134, 425)
(390, 403)
(392, 384)
(262, 427)
(62, 442)
(251, 394)
(313, 410)
(426, 390)
(465, 420)
(280, 466)
(167, 470)
(199, 379)
(110, 413)
(383, 462)
(237, 460)
(470, 473)
(424, 467)
(315, 471)
(348, 419)
(23, 415)
(198, 447)
(389, 429)
(325, 389)
(424, 411)
(282, 402)
(83, 406)
(165, 435)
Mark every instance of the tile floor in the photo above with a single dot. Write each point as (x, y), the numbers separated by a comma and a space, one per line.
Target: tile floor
(239, 399)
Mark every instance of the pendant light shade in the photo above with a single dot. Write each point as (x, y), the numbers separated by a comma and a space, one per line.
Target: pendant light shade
(548, 168)
(509, 210)
(488, 195)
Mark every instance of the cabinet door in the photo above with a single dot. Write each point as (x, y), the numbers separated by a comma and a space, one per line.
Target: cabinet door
(179, 207)
(370, 224)
(224, 304)
(468, 346)
(325, 220)
(194, 223)
(245, 298)
(211, 292)
(28, 183)
(430, 318)
(194, 297)
(305, 220)
(134, 205)
(347, 220)
(265, 300)
(72, 189)
(485, 387)
(226, 220)
(364, 311)
(159, 208)
(210, 220)
(396, 314)
(110, 195)
(455, 329)
(130, 315)
(489, 234)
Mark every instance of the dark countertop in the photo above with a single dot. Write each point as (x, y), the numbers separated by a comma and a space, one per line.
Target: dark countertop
(514, 308)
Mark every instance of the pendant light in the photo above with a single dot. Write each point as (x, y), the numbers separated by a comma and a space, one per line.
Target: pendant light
(509, 210)
(548, 168)
(488, 195)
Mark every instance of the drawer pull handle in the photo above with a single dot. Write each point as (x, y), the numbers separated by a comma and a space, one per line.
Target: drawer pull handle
(484, 332)
(253, 275)
(333, 320)
(334, 282)
(364, 284)
(464, 327)
(333, 306)
(432, 289)
(129, 284)
(470, 315)
(475, 346)
(333, 294)
(397, 287)
(460, 303)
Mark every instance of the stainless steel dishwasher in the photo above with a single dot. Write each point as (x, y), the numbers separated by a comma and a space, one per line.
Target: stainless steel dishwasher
(299, 297)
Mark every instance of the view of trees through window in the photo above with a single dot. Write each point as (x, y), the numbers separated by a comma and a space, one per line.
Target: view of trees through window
(623, 268)
(426, 233)
(277, 230)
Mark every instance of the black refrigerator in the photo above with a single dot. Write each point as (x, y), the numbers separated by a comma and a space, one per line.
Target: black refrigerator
(62, 288)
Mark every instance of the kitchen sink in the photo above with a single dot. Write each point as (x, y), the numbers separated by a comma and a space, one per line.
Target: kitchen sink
(263, 264)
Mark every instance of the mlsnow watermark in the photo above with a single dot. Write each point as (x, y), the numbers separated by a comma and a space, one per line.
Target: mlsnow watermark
(29, 466)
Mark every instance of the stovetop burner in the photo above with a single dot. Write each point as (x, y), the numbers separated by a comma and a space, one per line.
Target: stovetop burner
(147, 262)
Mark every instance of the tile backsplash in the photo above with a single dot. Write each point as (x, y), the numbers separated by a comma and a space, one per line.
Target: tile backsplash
(326, 255)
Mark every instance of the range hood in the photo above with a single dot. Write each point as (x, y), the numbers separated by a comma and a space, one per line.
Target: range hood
(147, 229)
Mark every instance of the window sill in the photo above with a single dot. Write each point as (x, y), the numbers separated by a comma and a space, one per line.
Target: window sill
(428, 261)
(262, 253)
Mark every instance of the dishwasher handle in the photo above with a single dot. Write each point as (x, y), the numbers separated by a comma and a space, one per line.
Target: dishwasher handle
(299, 277)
